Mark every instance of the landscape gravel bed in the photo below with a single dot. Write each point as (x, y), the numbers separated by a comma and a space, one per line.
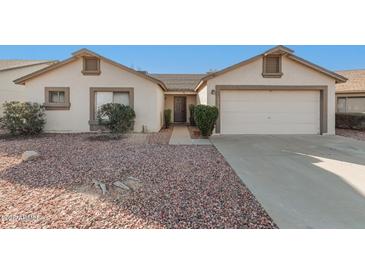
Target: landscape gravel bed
(356, 134)
(182, 186)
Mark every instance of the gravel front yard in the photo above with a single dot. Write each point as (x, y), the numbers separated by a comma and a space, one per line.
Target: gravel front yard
(183, 186)
(356, 134)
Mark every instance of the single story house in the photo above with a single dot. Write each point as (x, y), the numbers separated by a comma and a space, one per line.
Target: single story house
(350, 96)
(275, 92)
(12, 69)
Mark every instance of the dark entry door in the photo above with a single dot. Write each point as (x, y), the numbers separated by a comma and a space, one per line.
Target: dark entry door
(179, 109)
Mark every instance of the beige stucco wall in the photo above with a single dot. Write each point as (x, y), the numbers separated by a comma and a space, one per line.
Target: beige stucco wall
(160, 106)
(10, 91)
(293, 74)
(148, 98)
(169, 104)
(202, 98)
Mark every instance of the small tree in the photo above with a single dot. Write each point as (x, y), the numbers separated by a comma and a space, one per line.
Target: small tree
(205, 118)
(116, 117)
(167, 117)
(23, 118)
(191, 118)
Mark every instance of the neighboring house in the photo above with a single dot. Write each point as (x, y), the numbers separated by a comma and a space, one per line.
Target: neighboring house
(272, 93)
(350, 96)
(12, 69)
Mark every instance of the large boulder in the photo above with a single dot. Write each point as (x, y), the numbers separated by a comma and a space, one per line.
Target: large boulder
(30, 155)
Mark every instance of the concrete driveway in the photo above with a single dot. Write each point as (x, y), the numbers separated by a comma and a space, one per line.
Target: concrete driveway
(302, 181)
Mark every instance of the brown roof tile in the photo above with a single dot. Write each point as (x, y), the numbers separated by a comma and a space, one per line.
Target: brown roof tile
(12, 64)
(179, 82)
(355, 82)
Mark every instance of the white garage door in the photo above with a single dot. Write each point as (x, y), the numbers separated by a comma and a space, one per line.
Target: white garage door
(270, 112)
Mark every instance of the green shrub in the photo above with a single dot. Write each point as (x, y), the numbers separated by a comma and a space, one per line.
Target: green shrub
(167, 117)
(23, 118)
(350, 120)
(116, 117)
(191, 118)
(205, 118)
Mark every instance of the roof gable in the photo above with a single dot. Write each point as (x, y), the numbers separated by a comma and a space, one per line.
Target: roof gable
(276, 50)
(279, 50)
(85, 52)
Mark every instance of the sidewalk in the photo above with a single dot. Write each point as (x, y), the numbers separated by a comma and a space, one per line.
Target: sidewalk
(180, 136)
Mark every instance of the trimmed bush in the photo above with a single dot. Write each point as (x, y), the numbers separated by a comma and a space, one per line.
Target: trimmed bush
(205, 118)
(167, 117)
(23, 118)
(191, 118)
(116, 117)
(350, 120)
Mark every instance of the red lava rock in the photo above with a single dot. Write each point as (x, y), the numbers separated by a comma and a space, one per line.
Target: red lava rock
(182, 186)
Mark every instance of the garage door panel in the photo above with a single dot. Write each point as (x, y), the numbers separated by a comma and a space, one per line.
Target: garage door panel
(270, 112)
(257, 95)
(277, 107)
(272, 117)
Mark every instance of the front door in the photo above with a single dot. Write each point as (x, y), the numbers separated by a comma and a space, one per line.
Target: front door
(179, 109)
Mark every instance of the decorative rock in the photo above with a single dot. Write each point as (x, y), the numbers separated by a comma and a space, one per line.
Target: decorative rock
(119, 184)
(29, 155)
(101, 185)
(132, 183)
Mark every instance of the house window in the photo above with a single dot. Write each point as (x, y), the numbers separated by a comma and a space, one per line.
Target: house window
(341, 104)
(102, 96)
(351, 104)
(91, 66)
(57, 98)
(272, 66)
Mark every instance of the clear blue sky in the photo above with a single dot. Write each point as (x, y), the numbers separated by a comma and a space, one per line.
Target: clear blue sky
(191, 59)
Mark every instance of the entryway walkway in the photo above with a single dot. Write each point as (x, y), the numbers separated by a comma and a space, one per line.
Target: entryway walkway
(180, 136)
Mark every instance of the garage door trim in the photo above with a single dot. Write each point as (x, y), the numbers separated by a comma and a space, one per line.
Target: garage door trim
(323, 99)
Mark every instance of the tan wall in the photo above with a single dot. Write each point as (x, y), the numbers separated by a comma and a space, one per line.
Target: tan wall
(169, 104)
(293, 74)
(10, 91)
(202, 98)
(148, 99)
(160, 107)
